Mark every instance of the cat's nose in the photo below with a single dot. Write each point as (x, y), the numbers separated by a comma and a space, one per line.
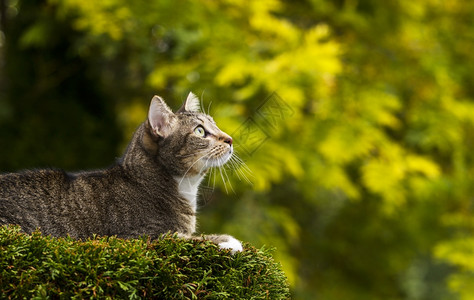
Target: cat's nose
(228, 140)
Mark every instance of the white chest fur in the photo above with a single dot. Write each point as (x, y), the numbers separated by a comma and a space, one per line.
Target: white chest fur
(188, 188)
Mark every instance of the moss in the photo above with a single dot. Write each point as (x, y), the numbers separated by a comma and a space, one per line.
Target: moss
(170, 268)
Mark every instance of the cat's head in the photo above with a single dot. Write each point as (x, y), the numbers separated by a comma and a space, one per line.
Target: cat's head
(188, 141)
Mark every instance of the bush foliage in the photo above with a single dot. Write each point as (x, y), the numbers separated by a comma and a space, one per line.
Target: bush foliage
(170, 268)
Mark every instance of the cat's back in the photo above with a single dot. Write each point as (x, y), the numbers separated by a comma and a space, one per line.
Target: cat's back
(33, 183)
(25, 197)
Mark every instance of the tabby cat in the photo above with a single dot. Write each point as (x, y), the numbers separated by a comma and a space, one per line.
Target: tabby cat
(151, 190)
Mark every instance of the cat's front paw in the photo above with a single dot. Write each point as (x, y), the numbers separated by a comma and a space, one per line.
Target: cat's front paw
(231, 244)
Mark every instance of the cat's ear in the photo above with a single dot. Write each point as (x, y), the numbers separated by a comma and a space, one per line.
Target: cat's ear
(191, 104)
(160, 117)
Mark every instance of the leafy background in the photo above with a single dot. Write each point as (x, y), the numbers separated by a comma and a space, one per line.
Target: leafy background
(363, 177)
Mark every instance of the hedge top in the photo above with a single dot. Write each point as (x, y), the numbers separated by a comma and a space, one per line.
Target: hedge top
(108, 267)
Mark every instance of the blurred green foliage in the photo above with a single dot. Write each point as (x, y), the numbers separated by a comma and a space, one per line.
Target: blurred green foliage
(356, 119)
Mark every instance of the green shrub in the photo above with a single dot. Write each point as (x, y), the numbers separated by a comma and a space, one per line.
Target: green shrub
(37, 266)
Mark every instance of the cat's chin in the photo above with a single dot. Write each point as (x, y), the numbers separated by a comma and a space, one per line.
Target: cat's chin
(219, 162)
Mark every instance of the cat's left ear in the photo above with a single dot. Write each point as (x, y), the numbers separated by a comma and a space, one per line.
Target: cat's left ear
(160, 118)
(191, 104)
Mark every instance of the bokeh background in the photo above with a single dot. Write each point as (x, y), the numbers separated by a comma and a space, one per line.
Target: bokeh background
(355, 118)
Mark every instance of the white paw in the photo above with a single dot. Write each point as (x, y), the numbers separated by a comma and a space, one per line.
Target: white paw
(232, 244)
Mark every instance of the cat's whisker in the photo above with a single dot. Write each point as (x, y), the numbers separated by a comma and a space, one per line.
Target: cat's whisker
(242, 166)
(185, 173)
(234, 163)
(209, 108)
(224, 176)
(191, 154)
(223, 179)
(230, 183)
(202, 102)
(214, 175)
(240, 175)
(209, 154)
(244, 176)
(237, 167)
(241, 162)
(202, 168)
(209, 176)
(233, 167)
(206, 153)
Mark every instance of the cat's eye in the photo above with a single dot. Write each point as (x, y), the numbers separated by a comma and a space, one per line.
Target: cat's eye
(199, 131)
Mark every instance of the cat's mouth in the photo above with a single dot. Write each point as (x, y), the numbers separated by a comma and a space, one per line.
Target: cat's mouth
(219, 156)
(216, 157)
